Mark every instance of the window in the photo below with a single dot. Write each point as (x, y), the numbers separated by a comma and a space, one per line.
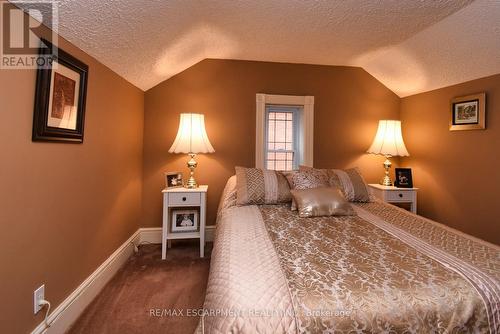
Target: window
(284, 131)
(282, 137)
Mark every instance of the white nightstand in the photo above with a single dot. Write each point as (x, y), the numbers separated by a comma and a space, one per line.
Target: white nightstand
(180, 198)
(396, 195)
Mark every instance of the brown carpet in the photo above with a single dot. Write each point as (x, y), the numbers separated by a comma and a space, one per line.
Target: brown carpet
(147, 295)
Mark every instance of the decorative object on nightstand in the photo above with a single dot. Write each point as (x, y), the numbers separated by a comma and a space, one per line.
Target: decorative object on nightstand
(184, 220)
(393, 195)
(389, 143)
(403, 178)
(184, 216)
(173, 179)
(191, 139)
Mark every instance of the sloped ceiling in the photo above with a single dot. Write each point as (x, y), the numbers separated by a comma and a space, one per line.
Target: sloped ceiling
(410, 46)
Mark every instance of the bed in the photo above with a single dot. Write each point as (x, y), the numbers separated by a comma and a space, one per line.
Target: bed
(383, 270)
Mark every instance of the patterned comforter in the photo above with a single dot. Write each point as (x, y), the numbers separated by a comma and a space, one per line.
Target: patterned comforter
(384, 270)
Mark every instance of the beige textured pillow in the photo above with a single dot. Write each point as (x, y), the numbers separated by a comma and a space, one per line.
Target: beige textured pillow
(349, 181)
(321, 202)
(352, 184)
(228, 197)
(258, 186)
(307, 178)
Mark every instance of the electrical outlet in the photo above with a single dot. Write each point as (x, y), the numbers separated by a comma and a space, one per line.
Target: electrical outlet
(38, 295)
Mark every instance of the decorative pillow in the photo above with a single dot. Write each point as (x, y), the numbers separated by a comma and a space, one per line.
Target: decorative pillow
(258, 186)
(321, 202)
(349, 181)
(307, 178)
(228, 198)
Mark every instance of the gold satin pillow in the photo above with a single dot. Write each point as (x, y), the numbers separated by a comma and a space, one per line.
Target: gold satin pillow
(321, 202)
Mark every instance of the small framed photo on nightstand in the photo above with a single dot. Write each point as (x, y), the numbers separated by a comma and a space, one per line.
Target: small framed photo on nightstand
(173, 179)
(403, 178)
(184, 220)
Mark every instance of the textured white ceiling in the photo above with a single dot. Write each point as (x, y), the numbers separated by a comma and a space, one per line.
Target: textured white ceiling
(461, 47)
(411, 46)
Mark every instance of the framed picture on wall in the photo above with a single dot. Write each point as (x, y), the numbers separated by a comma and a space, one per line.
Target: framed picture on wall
(403, 178)
(468, 112)
(61, 90)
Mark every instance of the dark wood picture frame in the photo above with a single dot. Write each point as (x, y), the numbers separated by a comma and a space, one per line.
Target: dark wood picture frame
(41, 129)
(405, 173)
(478, 103)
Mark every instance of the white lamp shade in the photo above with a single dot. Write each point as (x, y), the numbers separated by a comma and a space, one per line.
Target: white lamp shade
(191, 136)
(389, 140)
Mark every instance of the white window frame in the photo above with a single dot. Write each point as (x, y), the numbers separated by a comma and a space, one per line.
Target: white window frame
(297, 112)
(306, 126)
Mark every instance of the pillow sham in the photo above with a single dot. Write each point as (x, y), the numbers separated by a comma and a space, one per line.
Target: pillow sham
(318, 202)
(258, 186)
(307, 178)
(349, 181)
(228, 198)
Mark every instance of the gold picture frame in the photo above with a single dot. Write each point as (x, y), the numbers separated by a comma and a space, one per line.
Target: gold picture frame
(173, 180)
(468, 112)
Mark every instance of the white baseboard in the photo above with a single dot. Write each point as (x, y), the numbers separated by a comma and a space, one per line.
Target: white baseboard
(151, 235)
(70, 309)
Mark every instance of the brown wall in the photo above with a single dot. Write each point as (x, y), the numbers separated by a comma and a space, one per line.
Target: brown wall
(65, 208)
(457, 171)
(348, 104)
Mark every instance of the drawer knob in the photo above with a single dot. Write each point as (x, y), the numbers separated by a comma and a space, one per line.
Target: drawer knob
(184, 199)
(400, 195)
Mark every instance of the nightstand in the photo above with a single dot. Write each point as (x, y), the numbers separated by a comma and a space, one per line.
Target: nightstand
(179, 199)
(394, 195)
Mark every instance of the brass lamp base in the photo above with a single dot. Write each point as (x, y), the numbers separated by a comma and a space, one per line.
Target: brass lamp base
(386, 181)
(191, 182)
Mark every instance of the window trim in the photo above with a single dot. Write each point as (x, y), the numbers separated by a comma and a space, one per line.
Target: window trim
(306, 126)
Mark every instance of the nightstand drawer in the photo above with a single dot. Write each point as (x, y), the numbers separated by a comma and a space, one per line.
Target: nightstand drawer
(184, 199)
(390, 194)
(399, 195)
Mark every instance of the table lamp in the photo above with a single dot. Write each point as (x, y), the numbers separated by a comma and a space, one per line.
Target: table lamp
(389, 143)
(191, 139)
